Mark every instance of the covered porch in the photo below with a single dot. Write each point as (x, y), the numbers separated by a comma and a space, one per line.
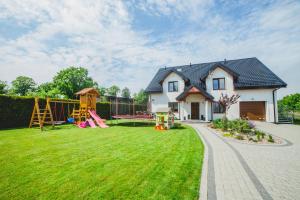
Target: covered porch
(195, 104)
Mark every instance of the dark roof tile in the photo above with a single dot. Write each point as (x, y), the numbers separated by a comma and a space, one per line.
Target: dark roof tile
(250, 71)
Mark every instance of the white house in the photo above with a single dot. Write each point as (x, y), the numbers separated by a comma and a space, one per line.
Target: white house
(193, 91)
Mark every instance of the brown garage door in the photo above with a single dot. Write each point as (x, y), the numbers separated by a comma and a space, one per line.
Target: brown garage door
(253, 110)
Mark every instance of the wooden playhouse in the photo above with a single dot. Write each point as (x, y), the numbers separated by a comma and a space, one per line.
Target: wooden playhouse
(88, 100)
(164, 119)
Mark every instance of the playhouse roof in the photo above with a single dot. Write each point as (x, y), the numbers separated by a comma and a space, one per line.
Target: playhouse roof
(88, 90)
(163, 110)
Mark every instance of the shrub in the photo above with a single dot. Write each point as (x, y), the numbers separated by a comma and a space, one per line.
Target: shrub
(240, 126)
(239, 137)
(225, 124)
(271, 139)
(253, 140)
(227, 134)
(15, 111)
(217, 123)
(258, 136)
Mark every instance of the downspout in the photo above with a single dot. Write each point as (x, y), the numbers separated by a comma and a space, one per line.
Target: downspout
(211, 111)
(274, 107)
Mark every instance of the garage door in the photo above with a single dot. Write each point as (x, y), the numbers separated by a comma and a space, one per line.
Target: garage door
(253, 110)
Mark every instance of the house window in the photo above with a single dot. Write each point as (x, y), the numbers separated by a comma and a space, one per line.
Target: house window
(173, 106)
(219, 83)
(218, 108)
(173, 86)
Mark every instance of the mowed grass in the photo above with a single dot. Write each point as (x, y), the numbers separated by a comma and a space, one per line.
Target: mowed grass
(120, 162)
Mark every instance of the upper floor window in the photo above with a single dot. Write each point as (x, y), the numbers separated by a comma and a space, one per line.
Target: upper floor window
(173, 86)
(173, 106)
(219, 83)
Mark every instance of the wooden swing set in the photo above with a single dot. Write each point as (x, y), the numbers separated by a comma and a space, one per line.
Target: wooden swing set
(41, 116)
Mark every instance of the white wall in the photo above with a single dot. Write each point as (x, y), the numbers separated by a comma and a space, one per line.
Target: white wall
(245, 95)
(160, 100)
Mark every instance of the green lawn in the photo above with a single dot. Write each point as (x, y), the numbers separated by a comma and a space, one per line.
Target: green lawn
(120, 162)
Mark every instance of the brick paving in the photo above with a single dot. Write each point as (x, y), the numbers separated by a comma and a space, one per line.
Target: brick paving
(243, 171)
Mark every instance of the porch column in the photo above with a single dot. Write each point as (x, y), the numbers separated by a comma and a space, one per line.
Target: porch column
(206, 110)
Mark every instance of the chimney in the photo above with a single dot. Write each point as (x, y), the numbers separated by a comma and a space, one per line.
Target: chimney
(224, 60)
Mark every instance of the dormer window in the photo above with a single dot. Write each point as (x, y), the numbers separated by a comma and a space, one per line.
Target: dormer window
(219, 83)
(173, 86)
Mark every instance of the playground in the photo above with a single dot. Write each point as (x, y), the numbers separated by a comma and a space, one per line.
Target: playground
(122, 161)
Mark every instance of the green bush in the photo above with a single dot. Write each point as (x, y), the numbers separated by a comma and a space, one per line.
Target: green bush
(15, 111)
(217, 123)
(271, 139)
(225, 124)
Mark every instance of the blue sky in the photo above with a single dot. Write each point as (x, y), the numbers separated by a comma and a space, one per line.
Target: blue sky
(125, 42)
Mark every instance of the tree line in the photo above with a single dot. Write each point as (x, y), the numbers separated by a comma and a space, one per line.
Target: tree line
(64, 85)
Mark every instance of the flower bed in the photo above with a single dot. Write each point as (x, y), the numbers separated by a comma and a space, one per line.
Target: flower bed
(243, 130)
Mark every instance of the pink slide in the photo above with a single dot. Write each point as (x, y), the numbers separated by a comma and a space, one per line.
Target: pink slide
(82, 125)
(98, 119)
(91, 123)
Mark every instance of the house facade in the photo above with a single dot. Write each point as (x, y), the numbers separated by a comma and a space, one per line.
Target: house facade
(193, 91)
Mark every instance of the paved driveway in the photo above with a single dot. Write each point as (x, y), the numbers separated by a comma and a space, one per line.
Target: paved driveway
(243, 171)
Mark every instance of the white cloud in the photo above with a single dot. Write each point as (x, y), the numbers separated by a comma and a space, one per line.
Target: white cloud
(99, 35)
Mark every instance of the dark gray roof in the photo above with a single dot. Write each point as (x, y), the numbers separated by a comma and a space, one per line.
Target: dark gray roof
(250, 73)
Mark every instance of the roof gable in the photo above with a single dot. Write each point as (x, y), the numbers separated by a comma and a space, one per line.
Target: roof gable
(234, 74)
(193, 89)
(173, 71)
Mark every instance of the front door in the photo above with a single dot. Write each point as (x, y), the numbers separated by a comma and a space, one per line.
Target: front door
(194, 110)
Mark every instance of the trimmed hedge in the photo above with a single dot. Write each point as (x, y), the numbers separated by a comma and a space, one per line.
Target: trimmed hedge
(15, 111)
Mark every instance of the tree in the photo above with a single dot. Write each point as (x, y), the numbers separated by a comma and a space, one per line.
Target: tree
(227, 101)
(113, 90)
(73, 79)
(102, 91)
(23, 85)
(141, 97)
(48, 90)
(290, 103)
(126, 92)
(3, 87)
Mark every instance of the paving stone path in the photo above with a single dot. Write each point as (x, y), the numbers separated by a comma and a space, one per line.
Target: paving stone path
(244, 171)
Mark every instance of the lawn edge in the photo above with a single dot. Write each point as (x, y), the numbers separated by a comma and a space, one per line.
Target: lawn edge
(204, 171)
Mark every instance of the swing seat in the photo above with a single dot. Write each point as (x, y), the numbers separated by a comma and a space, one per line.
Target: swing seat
(58, 122)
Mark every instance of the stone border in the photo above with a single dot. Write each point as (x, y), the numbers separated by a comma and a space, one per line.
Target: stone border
(207, 188)
(284, 143)
(204, 171)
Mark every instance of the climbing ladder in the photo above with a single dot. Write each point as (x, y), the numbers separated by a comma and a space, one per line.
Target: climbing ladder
(41, 116)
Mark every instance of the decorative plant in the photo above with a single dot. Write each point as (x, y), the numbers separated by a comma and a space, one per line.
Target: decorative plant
(271, 139)
(227, 101)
